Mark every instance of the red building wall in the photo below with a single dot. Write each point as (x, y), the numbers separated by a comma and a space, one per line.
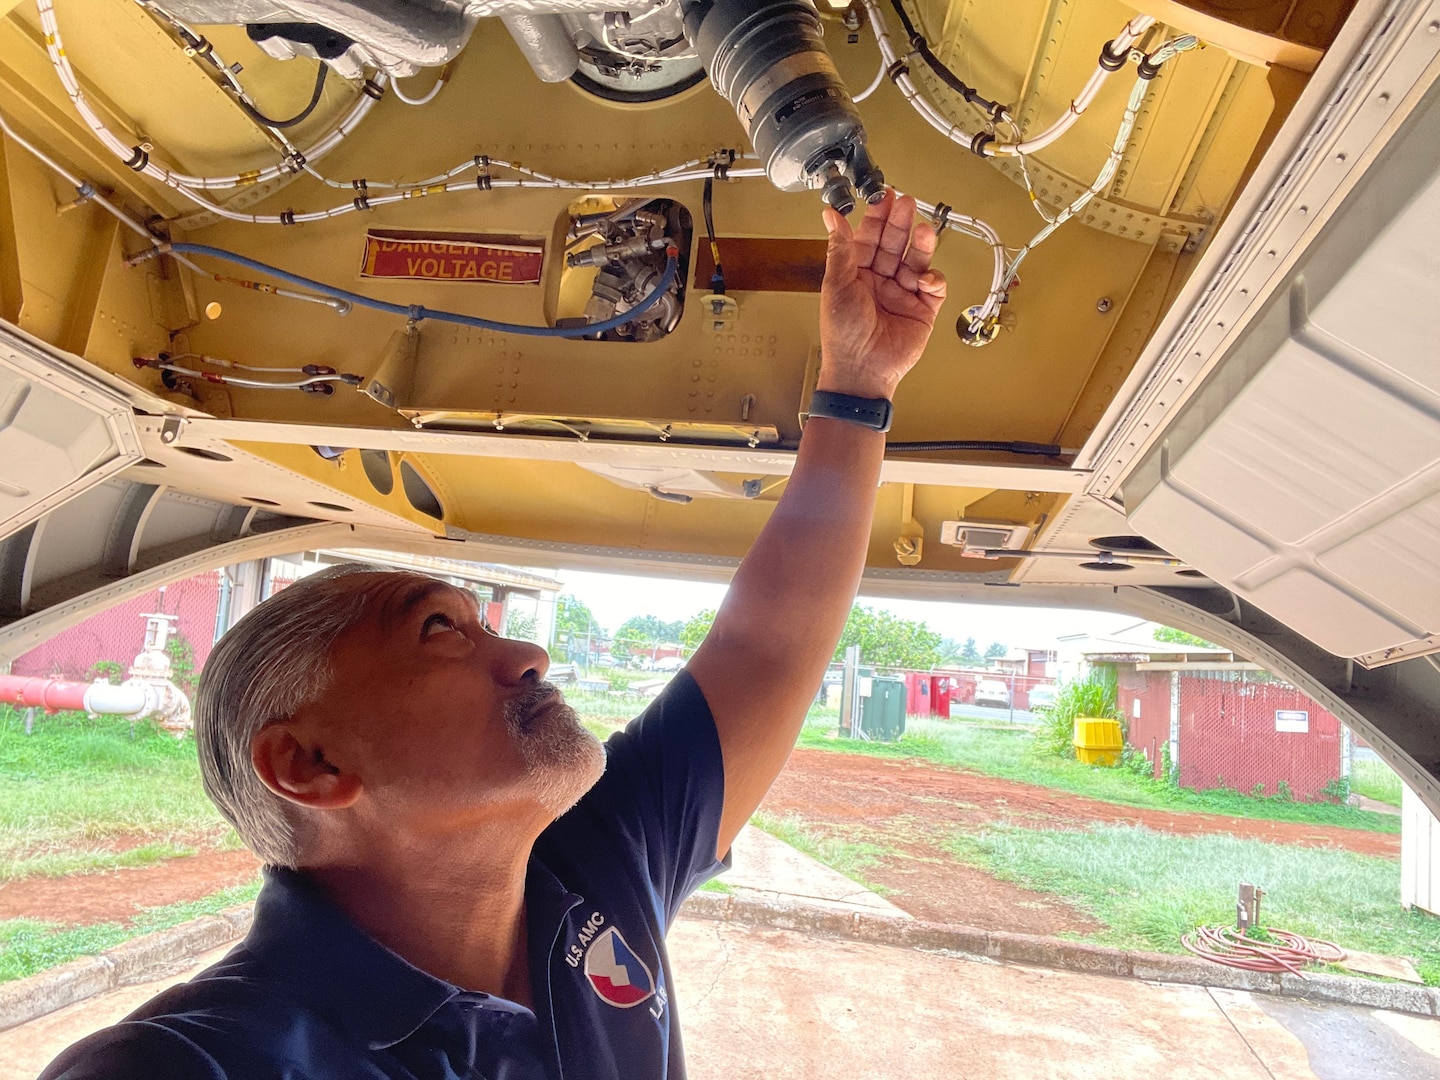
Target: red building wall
(1148, 729)
(1228, 731)
(118, 633)
(1228, 738)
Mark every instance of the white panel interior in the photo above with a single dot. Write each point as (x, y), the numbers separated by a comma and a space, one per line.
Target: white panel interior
(49, 440)
(1305, 475)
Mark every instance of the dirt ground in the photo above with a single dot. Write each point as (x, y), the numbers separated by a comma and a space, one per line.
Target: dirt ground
(908, 806)
(903, 806)
(118, 895)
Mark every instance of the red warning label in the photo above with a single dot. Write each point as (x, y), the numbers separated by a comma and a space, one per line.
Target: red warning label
(415, 256)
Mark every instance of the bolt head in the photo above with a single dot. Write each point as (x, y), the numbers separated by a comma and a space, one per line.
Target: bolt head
(1104, 304)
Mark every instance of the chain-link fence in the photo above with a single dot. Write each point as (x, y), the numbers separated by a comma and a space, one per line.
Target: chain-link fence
(1238, 729)
(106, 644)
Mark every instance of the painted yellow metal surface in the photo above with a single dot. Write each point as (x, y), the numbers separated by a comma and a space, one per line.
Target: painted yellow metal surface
(1085, 306)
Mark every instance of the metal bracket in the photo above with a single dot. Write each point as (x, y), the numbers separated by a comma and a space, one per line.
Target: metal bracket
(396, 371)
(910, 544)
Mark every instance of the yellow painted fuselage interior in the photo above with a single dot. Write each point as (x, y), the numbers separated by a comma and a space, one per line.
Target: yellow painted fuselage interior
(1086, 304)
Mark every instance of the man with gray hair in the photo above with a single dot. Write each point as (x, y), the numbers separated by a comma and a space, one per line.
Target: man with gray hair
(461, 881)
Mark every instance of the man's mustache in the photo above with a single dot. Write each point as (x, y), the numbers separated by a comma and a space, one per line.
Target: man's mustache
(519, 708)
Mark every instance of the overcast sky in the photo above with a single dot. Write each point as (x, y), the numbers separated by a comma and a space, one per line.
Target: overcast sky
(613, 598)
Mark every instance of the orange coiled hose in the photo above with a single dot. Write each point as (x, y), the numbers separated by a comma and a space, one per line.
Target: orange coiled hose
(1288, 952)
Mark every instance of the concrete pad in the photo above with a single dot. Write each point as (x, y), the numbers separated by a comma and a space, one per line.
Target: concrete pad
(1344, 1042)
(1277, 1048)
(778, 1005)
(762, 865)
(1422, 1032)
(756, 1003)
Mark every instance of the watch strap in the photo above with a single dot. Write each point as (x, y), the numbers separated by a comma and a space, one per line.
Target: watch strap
(875, 413)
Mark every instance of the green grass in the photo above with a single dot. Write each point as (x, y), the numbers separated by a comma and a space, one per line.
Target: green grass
(79, 788)
(846, 856)
(1375, 780)
(1148, 888)
(1011, 755)
(28, 946)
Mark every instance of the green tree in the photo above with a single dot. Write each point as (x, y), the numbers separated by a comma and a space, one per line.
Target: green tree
(888, 641)
(573, 616)
(575, 624)
(639, 632)
(520, 625)
(1171, 636)
(695, 630)
(968, 651)
(995, 651)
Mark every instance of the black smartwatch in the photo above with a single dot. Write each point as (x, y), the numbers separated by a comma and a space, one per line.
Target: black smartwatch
(873, 413)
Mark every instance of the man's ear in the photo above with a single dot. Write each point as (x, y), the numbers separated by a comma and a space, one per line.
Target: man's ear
(294, 770)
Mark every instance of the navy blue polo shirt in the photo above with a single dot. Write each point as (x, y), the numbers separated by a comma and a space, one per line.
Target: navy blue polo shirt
(309, 994)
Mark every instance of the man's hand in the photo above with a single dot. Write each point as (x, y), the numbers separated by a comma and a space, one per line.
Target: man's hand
(879, 300)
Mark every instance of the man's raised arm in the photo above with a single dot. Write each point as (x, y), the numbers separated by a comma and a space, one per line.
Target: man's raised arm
(766, 654)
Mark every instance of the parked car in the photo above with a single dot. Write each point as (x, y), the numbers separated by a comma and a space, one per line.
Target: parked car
(605, 660)
(992, 692)
(1042, 697)
(669, 663)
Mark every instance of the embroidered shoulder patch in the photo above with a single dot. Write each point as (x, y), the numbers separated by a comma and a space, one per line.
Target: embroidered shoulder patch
(616, 974)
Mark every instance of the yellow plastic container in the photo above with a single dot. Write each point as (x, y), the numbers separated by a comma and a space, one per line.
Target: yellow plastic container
(1098, 741)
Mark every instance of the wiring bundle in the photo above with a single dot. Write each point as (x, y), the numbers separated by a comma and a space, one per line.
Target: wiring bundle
(978, 325)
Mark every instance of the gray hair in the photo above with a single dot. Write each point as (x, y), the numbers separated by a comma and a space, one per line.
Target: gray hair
(268, 665)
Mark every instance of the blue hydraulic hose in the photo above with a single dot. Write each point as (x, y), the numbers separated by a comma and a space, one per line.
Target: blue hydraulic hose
(418, 312)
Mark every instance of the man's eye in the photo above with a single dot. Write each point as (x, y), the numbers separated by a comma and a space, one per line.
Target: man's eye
(438, 620)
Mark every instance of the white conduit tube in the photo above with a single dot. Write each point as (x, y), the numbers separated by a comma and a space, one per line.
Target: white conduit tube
(979, 230)
(216, 62)
(874, 83)
(1120, 47)
(528, 179)
(55, 46)
(480, 161)
(86, 190)
(1166, 52)
(423, 99)
(947, 127)
(1124, 41)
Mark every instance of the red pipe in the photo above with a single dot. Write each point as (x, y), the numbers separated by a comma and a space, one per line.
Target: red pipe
(52, 695)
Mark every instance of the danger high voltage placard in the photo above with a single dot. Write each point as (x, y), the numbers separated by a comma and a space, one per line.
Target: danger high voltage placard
(416, 256)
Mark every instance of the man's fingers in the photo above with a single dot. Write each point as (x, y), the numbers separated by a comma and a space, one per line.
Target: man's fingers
(895, 237)
(921, 250)
(932, 289)
(872, 226)
(840, 253)
(917, 257)
(921, 304)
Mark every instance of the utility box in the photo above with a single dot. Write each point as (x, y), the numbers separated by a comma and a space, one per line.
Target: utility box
(1098, 741)
(882, 711)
